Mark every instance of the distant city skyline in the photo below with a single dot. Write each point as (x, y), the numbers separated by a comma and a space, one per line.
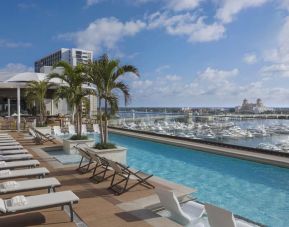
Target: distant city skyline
(190, 53)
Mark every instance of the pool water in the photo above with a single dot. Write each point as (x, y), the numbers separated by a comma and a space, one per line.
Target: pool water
(256, 191)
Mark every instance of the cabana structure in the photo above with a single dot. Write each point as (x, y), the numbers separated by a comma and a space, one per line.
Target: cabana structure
(12, 95)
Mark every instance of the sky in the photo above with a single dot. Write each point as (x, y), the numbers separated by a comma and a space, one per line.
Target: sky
(190, 53)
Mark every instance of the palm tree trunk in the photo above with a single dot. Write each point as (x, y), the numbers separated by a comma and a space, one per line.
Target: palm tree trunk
(105, 123)
(100, 121)
(78, 119)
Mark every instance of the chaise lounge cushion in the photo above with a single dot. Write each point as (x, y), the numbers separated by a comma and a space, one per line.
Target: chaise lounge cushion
(2, 206)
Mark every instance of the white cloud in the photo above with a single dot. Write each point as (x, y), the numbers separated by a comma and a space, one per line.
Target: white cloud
(285, 4)
(10, 44)
(162, 68)
(104, 33)
(216, 75)
(16, 68)
(92, 2)
(278, 58)
(229, 8)
(179, 5)
(173, 78)
(250, 58)
(276, 70)
(190, 26)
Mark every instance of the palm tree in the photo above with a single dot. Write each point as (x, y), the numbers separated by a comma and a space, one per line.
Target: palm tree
(106, 75)
(35, 93)
(72, 91)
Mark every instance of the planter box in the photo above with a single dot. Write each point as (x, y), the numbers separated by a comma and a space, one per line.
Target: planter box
(117, 154)
(69, 144)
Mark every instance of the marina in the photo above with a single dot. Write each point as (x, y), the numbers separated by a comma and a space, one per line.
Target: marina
(268, 134)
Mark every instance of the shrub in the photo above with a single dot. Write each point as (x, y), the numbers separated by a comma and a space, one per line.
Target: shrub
(76, 137)
(104, 146)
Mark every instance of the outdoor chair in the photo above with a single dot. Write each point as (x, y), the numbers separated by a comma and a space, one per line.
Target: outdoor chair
(83, 129)
(8, 143)
(29, 185)
(187, 214)
(126, 174)
(71, 130)
(21, 173)
(219, 217)
(103, 165)
(15, 157)
(96, 128)
(6, 140)
(43, 138)
(57, 131)
(38, 202)
(13, 147)
(84, 167)
(19, 164)
(12, 152)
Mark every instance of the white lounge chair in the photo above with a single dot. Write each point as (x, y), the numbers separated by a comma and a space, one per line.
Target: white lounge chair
(9, 158)
(219, 217)
(11, 174)
(29, 185)
(11, 147)
(5, 140)
(13, 143)
(38, 202)
(187, 214)
(11, 152)
(18, 164)
(96, 128)
(71, 130)
(57, 131)
(83, 129)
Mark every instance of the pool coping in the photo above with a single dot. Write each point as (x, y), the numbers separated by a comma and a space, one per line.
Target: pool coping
(250, 155)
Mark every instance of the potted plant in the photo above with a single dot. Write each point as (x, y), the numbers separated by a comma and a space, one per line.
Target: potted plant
(106, 75)
(72, 90)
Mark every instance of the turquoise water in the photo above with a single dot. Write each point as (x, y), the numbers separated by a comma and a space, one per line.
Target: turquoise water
(255, 191)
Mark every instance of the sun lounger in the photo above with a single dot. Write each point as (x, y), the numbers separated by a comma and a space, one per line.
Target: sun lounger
(9, 158)
(13, 143)
(11, 152)
(7, 140)
(34, 172)
(39, 202)
(188, 214)
(57, 131)
(71, 130)
(96, 128)
(18, 164)
(43, 138)
(126, 174)
(219, 217)
(100, 164)
(84, 167)
(11, 147)
(6, 137)
(29, 185)
(83, 129)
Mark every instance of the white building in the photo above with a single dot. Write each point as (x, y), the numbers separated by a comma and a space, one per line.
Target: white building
(71, 56)
(257, 107)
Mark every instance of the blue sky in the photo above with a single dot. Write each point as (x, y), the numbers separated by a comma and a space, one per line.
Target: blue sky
(189, 52)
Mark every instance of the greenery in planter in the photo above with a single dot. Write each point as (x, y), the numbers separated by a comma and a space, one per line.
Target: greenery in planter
(72, 90)
(79, 137)
(106, 75)
(104, 146)
(35, 98)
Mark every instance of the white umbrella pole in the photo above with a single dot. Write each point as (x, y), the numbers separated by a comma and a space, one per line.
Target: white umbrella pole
(18, 109)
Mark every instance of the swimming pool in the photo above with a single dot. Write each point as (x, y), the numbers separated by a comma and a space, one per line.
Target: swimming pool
(253, 190)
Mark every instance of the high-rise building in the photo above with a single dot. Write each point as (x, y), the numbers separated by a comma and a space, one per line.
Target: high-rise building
(71, 56)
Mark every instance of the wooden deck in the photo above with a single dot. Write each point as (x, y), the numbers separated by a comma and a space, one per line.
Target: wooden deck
(97, 206)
